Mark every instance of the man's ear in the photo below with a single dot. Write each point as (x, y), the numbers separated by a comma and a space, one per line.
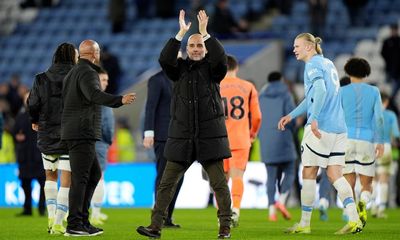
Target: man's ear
(310, 46)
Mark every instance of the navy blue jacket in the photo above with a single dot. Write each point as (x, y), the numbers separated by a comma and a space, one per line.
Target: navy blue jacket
(276, 146)
(159, 90)
(1, 128)
(29, 159)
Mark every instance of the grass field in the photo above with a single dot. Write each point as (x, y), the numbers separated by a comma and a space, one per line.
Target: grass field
(202, 224)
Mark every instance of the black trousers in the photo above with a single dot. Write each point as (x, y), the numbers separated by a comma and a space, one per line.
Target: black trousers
(174, 172)
(85, 174)
(26, 184)
(160, 166)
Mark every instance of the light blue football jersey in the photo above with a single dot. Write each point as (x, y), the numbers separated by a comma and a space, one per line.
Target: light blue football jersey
(390, 126)
(331, 118)
(363, 112)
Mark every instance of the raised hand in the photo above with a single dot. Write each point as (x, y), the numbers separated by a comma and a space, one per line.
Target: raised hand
(203, 21)
(183, 26)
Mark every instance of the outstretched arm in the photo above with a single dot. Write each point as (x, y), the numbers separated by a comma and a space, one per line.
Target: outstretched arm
(302, 108)
(378, 116)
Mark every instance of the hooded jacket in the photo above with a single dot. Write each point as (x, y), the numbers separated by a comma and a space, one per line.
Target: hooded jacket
(45, 108)
(276, 146)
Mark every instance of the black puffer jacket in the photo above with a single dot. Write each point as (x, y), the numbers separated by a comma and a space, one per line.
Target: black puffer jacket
(82, 97)
(45, 108)
(197, 128)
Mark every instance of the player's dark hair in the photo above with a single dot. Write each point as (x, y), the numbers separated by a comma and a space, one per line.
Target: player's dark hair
(274, 76)
(357, 67)
(65, 53)
(345, 81)
(232, 62)
(102, 71)
(384, 96)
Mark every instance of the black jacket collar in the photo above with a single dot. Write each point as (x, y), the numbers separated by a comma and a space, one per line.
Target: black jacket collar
(92, 65)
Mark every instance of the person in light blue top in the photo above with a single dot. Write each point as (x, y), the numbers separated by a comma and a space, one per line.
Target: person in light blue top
(325, 187)
(102, 146)
(390, 122)
(325, 136)
(363, 112)
(384, 167)
(321, 85)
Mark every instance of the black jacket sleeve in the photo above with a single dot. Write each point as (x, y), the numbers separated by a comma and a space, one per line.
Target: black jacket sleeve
(90, 88)
(217, 59)
(385, 52)
(168, 59)
(153, 96)
(34, 102)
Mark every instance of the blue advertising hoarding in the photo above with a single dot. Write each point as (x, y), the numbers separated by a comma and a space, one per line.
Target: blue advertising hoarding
(132, 185)
(127, 185)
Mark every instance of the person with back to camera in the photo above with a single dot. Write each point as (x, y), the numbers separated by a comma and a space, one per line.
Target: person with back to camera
(278, 150)
(385, 164)
(364, 118)
(243, 121)
(44, 104)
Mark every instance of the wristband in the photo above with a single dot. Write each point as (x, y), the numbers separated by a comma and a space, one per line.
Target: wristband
(205, 37)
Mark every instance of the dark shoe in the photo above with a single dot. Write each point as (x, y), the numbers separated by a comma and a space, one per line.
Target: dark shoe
(170, 224)
(149, 231)
(93, 231)
(224, 232)
(76, 231)
(42, 213)
(24, 214)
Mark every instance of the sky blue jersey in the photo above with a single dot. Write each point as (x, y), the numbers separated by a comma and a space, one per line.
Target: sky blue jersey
(363, 112)
(390, 126)
(331, 117)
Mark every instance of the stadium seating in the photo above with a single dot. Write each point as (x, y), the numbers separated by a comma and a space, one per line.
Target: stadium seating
(340, 38)
(28, 50)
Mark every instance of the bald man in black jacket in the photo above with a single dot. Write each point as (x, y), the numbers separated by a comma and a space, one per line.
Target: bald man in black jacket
(80, 129)
(197, 128)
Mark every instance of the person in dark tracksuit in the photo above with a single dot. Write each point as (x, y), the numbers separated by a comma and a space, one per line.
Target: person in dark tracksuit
(157, 117)
(29, 161)
(80, 129)
(197, 128)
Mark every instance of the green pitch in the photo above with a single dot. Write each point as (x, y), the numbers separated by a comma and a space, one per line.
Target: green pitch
(202, 224)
